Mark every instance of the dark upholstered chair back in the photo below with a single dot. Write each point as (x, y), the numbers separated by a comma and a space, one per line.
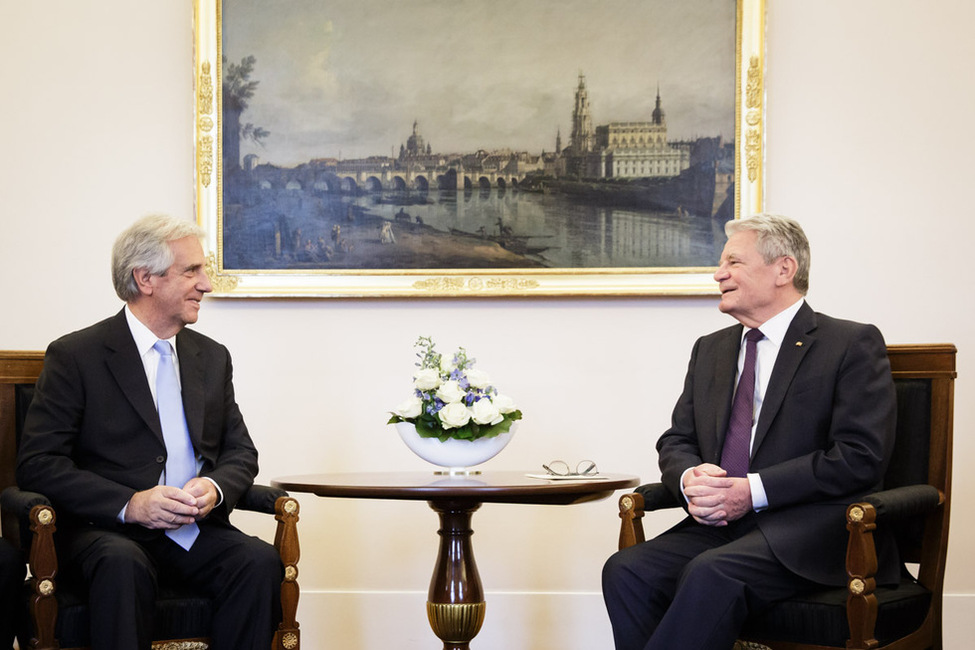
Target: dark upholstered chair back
(23, 394)
(909, 465)
(18, 373)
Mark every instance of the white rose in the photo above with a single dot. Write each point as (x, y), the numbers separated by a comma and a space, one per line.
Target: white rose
(410, 408)
(485, 412)
(478, 378)
(454, 415)
(426, 378)
(450, 392)
(504, 403)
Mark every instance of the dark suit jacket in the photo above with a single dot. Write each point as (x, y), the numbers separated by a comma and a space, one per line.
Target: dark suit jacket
(92, 436)
(824, 437)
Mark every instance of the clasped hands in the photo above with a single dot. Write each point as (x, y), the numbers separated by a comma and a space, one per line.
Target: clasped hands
(713, 497)
(168, 507)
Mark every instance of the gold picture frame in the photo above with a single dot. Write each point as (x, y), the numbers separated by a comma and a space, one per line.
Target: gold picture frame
(319, 279)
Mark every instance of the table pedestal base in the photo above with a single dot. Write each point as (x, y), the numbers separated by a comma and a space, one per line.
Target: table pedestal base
(455, 605)
(456, 625)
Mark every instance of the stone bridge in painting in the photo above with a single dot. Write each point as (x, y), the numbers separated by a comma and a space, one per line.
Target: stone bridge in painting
(381, 175)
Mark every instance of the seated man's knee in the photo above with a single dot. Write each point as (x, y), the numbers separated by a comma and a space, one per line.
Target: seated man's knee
(118, 559)
(262, 559)
(709, 568)
(615, 567)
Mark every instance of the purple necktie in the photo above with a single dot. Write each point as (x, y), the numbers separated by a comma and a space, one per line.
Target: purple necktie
(737, 442)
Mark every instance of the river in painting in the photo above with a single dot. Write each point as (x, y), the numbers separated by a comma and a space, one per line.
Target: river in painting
(267, 228)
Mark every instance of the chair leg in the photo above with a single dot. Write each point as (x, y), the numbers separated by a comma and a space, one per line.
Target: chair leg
(861, 567)
(44, 570)
(288, 637)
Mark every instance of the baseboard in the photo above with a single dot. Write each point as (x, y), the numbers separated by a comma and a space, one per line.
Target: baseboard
(367, 620)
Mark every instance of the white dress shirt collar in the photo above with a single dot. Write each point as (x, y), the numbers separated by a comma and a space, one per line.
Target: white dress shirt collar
(143, 336)
(775, 328)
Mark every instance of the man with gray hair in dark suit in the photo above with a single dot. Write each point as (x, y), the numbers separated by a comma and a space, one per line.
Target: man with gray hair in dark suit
(135, 436)
(785, 419)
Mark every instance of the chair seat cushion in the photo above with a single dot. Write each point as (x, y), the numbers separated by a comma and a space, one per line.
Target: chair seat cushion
(819, 618)
(180, 614)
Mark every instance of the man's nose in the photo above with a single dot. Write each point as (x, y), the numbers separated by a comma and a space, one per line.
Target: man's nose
(204, 284)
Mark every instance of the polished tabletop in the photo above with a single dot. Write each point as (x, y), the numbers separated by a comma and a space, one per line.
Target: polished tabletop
(486, 487)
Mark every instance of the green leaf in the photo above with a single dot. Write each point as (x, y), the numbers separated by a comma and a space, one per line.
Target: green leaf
(424, 429)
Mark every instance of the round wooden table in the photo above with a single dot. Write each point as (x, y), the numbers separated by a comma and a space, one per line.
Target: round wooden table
(455, 603)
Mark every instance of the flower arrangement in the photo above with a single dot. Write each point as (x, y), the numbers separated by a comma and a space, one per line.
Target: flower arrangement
(452, 399)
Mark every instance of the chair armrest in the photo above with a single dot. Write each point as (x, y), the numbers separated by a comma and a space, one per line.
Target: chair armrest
(903, 502)
(16, 506)
(261, 498)
(861, 551)
(275, 501)
(861, 520)
(652, 496)
(29, 521)
(656, 496)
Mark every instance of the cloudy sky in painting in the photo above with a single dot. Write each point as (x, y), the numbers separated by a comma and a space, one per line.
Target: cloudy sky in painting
(346, 78)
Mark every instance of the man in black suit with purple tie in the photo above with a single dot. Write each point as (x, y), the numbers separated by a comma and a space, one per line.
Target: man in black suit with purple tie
(765, 469)
(135, 436)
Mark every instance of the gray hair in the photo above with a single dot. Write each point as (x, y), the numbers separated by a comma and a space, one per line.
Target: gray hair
(145, 245)
(778, 236)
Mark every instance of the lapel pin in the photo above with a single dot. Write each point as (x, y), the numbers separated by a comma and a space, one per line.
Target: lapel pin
(798, 344)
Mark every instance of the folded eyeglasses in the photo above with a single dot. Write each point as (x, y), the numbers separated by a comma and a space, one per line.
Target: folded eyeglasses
(561, 468)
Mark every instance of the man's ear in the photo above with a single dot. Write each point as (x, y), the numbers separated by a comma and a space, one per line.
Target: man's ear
(143, 280)
(786, 270)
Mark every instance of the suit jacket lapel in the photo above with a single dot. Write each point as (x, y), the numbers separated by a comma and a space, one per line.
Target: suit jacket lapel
(798, 341)
(126, 366)
(191, 379)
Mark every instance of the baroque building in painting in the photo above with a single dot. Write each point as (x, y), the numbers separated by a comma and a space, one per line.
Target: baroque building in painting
(621, 149)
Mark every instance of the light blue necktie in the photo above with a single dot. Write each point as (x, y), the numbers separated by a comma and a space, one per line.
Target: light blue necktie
(180, 459)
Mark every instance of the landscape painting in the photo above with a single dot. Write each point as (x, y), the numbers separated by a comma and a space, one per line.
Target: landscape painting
(513, 147)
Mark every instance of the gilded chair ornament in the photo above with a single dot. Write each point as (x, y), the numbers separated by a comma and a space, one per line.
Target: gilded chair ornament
(180, 645)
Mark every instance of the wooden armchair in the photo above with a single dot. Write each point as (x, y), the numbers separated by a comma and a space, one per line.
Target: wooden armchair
(58, 611)
(914, 505)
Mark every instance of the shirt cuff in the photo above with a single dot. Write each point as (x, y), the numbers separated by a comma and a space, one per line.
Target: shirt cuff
(759, 498)
(681, 484)
(219, 491)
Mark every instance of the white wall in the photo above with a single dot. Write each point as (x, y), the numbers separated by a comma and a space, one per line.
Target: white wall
(869, 145)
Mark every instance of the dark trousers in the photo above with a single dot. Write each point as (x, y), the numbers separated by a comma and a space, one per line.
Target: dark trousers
(693, 586)
(12, 574)
(241, 574)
